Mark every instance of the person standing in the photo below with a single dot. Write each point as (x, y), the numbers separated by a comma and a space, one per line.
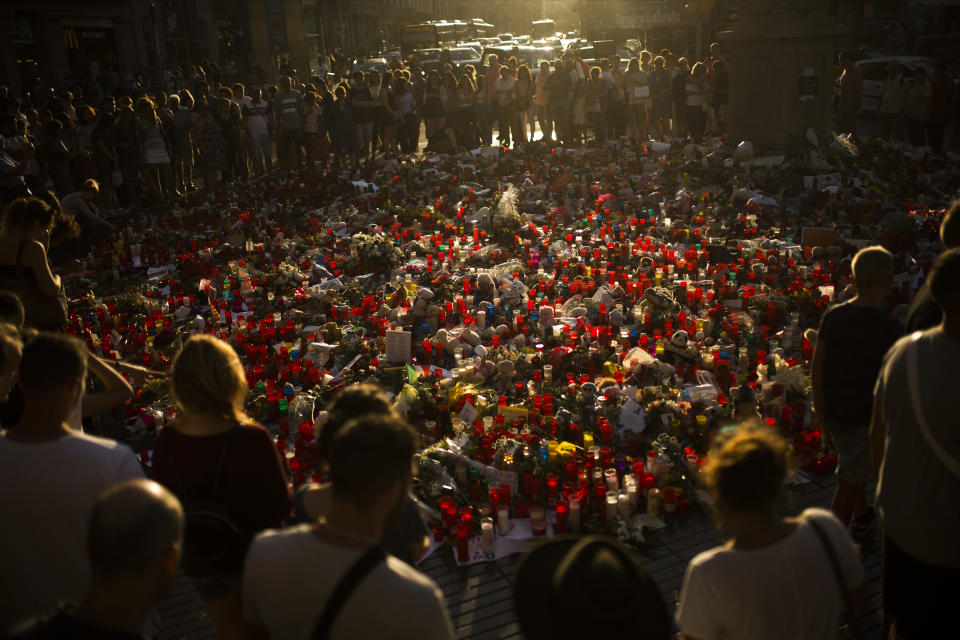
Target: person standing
(288, 112)
(559, 87)
(42, 541)
(213, 458)
(851, 90)
(505, 88)
(637, 90)
(853, 338)
(290, 576)
(774, 578)
(678, 90)
(541, 99)
(917, 107)
(916, 455)
(892, 97)
(697, 98)
(256, 115)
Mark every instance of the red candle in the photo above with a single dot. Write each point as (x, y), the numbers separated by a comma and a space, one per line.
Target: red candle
(463, 551)
(563, 510)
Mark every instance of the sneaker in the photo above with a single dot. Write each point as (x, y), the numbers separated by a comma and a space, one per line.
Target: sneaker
(865, 527)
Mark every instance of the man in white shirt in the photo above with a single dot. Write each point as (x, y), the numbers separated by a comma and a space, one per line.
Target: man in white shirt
(290, 576)
(53, 475)
(256, 115)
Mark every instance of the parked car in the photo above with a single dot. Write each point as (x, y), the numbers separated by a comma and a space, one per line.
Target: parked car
(874, 70)
(368, 65)
(462, 56)
(530, 56)
(429, 58)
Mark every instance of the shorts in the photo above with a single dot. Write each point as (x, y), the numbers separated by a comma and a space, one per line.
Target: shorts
(920, 597)
(260, 143)
(210, 589)
(852, 444)
(364, 133)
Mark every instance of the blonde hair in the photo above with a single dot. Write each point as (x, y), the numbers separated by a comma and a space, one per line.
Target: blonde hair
(872, 267)
(207, 377)
(745, 471)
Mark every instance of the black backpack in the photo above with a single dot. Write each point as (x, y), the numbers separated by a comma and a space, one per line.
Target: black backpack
(213, 544)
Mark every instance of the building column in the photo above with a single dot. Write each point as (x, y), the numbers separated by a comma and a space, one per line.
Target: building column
(260, 54)
(296, 36)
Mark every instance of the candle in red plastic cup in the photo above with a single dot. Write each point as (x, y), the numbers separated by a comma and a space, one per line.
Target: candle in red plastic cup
(463, 540)
(563, 512)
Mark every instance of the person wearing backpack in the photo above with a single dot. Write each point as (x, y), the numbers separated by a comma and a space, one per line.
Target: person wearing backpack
(331, 578)
(223, 468)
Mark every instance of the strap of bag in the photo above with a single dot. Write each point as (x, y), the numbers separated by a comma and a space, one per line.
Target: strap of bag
(345, 589)
(838, 574)
(913, 375)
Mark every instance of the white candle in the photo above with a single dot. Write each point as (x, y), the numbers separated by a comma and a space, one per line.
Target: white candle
(481, 319)
(610, 476)
(486, 528)
(503, 520)
(632, 494)
(623, 505)
(653, 502)
(611, 506)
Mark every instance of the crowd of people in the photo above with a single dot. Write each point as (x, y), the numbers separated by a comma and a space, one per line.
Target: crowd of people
(147, 146)
(90, 545)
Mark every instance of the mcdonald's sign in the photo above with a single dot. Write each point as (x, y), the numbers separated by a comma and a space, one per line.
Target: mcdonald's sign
(70, 40)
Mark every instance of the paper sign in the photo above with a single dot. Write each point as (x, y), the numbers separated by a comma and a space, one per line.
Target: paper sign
(469, 413)
(398, 346)
(819, 236)
(632, 417)
(502, 547)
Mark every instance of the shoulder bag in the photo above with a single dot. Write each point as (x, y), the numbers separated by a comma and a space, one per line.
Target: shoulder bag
(852, 620)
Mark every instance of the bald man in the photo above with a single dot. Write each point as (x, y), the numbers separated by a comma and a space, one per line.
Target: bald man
(134, 541)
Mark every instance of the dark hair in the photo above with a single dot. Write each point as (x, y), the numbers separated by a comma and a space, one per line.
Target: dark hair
(950, 226)
(353, 402)
(746, 470)
(11, 308)
(370, 455)
(23, 213)
(945, 280)
(132, 525)
(52, 361)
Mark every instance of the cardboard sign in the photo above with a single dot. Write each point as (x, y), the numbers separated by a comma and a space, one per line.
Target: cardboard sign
(398, 346)
(819, 237)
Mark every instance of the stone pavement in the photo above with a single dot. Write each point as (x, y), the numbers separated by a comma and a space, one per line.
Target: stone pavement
(479, 596)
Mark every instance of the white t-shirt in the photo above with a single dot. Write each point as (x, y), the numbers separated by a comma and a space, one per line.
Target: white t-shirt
(786, 591)
(49, 491)
(289, 575)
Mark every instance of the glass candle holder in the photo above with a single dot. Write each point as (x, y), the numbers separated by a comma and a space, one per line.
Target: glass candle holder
(611, 510)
